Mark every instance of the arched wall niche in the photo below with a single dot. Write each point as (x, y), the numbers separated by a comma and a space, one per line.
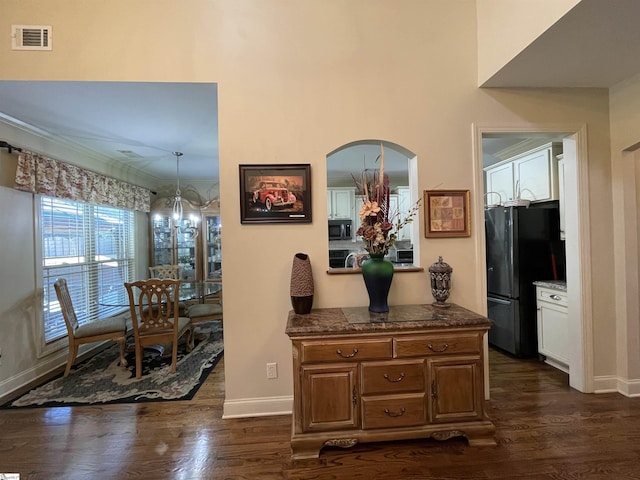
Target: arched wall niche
(347, 162)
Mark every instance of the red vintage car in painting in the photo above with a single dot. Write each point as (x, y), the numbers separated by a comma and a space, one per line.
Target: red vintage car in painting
(273, 194)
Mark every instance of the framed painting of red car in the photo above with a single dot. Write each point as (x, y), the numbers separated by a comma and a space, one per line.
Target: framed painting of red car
(275, 193)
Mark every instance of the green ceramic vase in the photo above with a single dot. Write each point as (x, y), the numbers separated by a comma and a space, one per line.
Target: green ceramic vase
(377, 273)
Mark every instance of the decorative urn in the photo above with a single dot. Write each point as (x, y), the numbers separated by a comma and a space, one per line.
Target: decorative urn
(301, 287)
(440, 273)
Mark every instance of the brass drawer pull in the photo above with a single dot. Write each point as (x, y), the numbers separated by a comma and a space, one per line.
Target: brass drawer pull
(438, 350)
(399, 379)
(350, 355)
(395, 414)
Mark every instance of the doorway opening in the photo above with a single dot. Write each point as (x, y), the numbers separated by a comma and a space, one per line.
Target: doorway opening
(499, 147)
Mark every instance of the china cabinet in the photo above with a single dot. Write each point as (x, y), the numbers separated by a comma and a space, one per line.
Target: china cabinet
(178, 244)
(211, 242)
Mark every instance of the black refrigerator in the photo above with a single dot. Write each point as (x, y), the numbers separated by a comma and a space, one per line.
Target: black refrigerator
(523, 245)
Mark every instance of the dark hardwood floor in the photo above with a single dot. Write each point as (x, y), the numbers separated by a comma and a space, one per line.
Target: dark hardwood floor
(545, 430)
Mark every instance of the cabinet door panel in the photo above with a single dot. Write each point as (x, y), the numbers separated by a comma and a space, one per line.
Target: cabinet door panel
(404, 205)
(330, 397)
(535, 177)
(340, 203)
(499, 181)
(553, 331)
(456, 389)
(212, 238)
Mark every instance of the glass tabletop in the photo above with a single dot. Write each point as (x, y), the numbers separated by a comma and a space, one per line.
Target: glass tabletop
(189, 290)
(198, 290)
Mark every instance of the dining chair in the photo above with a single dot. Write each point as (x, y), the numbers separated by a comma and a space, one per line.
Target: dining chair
(112, 328)
(202, 312)
(166, 271)
(169, 271)
(155, 315)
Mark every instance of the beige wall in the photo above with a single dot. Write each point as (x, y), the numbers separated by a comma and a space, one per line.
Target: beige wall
(297, 79)
(506, 27)
(625, 165)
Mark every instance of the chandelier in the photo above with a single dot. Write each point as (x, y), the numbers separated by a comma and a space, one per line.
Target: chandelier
(189, 226)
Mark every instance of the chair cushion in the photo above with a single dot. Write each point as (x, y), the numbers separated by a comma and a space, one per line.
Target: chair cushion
(183, 322)
(204, 310)
(99, 327)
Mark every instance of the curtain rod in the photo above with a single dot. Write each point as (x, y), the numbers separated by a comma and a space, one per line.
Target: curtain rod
(9, 147)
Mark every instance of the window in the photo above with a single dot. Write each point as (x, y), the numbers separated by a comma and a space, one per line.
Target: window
(93, 248)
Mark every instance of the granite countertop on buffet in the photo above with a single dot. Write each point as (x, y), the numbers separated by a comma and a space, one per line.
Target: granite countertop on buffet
(400, 317)
(560, 285)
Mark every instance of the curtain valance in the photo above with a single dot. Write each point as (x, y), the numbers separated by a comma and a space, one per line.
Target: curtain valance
(46, 176)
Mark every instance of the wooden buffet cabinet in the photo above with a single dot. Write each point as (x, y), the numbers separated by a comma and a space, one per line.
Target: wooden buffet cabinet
(417, 371)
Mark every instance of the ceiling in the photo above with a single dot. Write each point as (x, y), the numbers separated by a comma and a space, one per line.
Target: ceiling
(596, 44)
(140, 124)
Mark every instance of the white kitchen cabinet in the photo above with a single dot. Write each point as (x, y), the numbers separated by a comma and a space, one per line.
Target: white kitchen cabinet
(359, 200)
(398, 202)
(553, 326)
(340, 203)
(536, 174)
(561, 194)
(404, 205)
(532, 175)
(499, 180)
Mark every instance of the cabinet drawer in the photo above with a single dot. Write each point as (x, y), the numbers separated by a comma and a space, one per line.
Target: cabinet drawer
(393, 411)
(346, 350)
(437, 345)
(392, 377)
(552, 296)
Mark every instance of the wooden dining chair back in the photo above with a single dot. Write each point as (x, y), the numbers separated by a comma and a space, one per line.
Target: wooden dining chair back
(155, 315)
(113, 328)
(166, 271)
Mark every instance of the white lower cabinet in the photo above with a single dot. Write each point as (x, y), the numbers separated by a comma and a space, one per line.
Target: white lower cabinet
(553, 327)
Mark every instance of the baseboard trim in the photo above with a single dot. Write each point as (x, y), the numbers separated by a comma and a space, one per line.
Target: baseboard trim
(605, 384)
(629, 388)
(258, 407)
(613, 384)
(17, 385)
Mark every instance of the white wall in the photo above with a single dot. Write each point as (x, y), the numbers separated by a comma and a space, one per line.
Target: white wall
(297, 79)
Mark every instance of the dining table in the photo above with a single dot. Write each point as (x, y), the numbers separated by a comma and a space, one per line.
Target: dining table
(189, 291)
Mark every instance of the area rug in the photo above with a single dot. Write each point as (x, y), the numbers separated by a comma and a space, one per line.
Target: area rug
(99, 380)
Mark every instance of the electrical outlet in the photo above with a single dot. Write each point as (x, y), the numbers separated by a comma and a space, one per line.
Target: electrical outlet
(272, 370)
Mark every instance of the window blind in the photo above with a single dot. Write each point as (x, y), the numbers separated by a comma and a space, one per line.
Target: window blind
(93, 248)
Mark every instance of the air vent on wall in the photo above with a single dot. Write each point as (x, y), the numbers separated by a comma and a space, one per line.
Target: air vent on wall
(31, 37)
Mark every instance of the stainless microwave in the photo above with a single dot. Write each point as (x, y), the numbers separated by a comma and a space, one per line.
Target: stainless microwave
(403, 256)
(340, 229)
